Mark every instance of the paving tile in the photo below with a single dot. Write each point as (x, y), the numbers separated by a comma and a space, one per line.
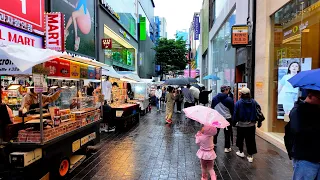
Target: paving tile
(152, 150)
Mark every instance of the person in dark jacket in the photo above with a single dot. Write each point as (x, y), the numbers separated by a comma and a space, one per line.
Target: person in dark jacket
(225, 106)
(305, 128)
(204, 96)
(245, 119)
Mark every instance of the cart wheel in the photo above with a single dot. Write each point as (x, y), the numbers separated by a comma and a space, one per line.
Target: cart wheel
(64, 167)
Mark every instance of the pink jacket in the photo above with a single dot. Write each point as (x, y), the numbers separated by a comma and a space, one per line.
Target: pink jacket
(205, 141)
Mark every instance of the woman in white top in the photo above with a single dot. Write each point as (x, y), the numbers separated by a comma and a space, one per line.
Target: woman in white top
(287, 94)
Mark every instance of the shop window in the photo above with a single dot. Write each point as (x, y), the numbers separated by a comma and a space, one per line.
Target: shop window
(294, 47)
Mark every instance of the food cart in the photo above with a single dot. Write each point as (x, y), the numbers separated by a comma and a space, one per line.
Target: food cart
(141, 96)
(50, 142)
(123, 113)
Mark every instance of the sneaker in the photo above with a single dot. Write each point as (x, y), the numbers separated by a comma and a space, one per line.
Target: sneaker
(250, 159)
(169, 121)
(227, 150)
(111, 129)
(240, 154)
(179, 112)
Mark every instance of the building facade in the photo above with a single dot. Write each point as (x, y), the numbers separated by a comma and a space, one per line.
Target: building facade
(117, 22)
(184, 34)
(147, 39)
(289, 32)
(163, 27)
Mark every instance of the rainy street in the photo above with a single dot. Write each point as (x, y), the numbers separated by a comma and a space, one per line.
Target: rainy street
(153, 150)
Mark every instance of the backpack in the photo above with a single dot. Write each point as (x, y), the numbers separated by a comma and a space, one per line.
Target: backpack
(288, 139)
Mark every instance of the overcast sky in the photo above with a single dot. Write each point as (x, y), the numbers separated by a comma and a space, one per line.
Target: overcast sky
(178, 13)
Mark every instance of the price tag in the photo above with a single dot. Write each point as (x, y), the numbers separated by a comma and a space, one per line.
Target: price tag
(73, 117)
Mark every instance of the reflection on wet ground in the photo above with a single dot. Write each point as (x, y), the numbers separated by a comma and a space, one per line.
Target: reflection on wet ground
(153, 150)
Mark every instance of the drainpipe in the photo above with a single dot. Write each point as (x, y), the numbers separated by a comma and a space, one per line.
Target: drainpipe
(253, 50)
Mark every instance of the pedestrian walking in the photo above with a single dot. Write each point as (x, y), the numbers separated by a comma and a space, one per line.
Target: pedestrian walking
(188, 97)
(169, 105)
(158, 94)
(204, 96)
(163, 98)
(225, 106)
(195, 93)
(304, 129)
(179, 100)
(245, 119)
(206, 154)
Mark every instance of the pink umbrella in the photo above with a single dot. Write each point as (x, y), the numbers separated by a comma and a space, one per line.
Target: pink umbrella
(206, 116)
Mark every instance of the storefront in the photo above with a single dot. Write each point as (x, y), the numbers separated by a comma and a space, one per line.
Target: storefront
(118, 44)
(294, 47)
(223, 55)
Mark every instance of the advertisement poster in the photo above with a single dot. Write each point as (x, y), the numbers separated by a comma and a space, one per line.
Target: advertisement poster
(83, 71)
(55, 31)
(74, 70)
(91, 72)
(287, 95)
(79, 34)
(64, 68)
(38, 81)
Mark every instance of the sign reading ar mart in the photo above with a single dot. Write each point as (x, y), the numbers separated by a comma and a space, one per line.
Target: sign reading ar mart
(9, 35)
(239, 35)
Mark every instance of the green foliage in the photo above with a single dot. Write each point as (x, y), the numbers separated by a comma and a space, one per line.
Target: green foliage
(171, 54)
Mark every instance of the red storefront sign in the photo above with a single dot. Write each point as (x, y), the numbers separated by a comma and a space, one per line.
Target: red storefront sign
(106, 43)
(55, 31)
(24, 14)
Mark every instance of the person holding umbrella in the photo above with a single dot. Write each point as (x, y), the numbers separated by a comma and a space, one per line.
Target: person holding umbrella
(170, 99)
(225, 106)
(302, 133)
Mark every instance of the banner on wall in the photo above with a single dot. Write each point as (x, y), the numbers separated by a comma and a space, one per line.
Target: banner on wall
(240, 35)
(106, 43)
(196, 26)
(287, 94)
(55, 31)
(64, 68)
(53, 67)
(80, 34)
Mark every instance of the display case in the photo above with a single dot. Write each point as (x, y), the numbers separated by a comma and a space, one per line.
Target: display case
(140, 91)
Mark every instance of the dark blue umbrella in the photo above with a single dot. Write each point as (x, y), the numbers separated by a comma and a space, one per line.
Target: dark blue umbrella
(307, 80)
(180, 81)
(213, 77)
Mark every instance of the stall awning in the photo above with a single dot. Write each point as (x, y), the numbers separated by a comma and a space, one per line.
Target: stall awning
(109, 71)
(25, 57)
(129, 75)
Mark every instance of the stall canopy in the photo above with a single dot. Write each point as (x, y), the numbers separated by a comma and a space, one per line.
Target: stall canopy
(25, 57)
(129, 75)
(109, 71)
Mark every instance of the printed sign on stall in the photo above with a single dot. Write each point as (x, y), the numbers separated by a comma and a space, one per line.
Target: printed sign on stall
(55, 31)
(83, 71)
(98, 73)
(74, 70)
(38, 81)
(64, 68)
(240, 35)
(91, 72)
(53, 67)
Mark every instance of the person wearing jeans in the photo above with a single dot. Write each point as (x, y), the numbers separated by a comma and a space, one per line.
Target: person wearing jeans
(158, 94)
(224, 105)
(304, 130)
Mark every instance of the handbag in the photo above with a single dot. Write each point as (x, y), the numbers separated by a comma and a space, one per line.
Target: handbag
(259, 115)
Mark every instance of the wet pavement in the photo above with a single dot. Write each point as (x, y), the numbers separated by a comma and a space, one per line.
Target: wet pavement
(153, 150)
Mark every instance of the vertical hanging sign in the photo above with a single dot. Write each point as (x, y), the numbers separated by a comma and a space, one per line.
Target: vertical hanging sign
(55, 31)
(143, 29)
(196, 26)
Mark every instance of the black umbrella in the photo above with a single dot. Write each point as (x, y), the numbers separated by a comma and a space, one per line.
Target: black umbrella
(180, 81)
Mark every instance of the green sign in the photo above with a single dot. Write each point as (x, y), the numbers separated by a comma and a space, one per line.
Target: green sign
(143, 29)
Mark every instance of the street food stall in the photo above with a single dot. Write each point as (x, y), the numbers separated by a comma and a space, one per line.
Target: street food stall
(141, 96)
(123, 114)
(53, 124)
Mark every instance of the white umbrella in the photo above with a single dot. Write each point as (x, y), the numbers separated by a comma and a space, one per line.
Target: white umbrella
(25, 57)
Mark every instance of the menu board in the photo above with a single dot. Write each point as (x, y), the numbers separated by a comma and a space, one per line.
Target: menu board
(64, 68)
(91, 72)
(83, 71)
(74, 70)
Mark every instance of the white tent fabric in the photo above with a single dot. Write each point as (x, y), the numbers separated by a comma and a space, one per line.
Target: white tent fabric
(129, 75)
(25, 57)
(147, 80)
(109, 71)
